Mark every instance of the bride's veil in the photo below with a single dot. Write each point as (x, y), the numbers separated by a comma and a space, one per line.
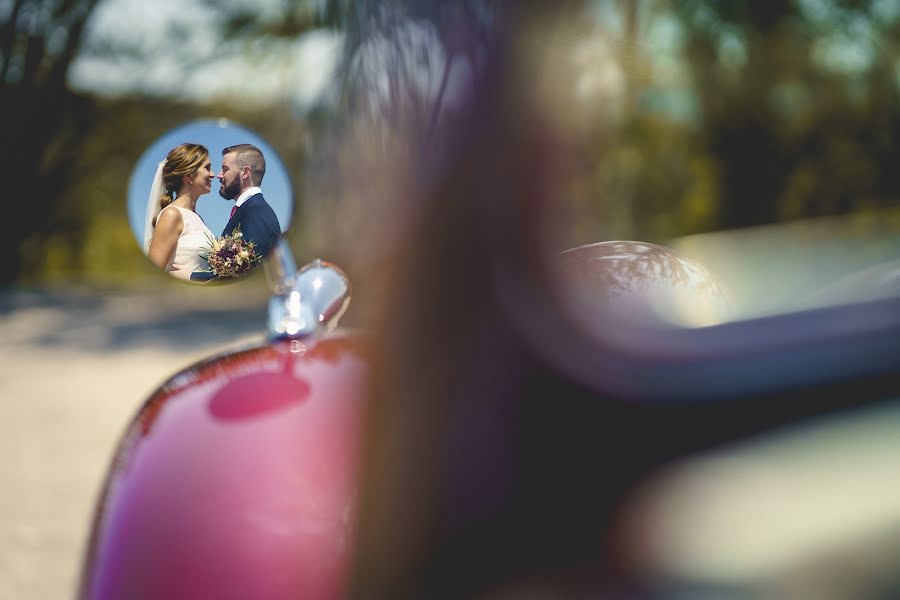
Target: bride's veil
(156, 190)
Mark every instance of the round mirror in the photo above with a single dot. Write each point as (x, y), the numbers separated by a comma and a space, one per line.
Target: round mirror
(208, 200)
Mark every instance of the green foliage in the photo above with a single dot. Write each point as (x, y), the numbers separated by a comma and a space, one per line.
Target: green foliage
(783, 130)
(284, 19)
(41, 123)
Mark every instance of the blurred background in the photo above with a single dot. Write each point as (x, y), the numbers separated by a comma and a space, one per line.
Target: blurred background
(689, 117)
(682, 122)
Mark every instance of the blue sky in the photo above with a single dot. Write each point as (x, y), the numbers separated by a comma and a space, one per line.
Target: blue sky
(215, 135)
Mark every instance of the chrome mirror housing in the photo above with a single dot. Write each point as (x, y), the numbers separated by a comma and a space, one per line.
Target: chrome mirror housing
(307, 301)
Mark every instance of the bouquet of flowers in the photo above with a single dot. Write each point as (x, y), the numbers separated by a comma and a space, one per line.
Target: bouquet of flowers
(230, 256)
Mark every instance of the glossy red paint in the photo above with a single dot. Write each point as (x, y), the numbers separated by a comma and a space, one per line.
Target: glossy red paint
(237, 479)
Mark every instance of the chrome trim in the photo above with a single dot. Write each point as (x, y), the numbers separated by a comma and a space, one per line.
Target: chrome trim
(307, 301)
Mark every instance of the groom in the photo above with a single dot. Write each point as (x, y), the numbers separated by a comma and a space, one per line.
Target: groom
(243, 168)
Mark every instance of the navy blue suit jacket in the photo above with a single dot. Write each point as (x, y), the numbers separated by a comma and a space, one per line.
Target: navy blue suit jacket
(258, 223)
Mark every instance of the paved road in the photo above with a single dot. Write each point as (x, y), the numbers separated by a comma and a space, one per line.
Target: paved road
(75, 366)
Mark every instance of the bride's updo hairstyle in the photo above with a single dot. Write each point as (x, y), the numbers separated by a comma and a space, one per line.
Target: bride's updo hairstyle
(182, 160)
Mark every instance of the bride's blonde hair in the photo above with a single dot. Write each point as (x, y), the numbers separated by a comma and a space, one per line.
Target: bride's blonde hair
(182, 160)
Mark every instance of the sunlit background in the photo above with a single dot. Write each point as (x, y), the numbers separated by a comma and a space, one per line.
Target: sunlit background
(759, 139)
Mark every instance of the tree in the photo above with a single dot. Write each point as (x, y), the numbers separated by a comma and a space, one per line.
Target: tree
(42, 122)
(796, 126)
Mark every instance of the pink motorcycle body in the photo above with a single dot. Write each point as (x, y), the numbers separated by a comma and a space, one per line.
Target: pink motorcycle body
(237, 479)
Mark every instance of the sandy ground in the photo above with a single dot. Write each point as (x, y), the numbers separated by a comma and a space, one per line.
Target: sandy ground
(75, 367)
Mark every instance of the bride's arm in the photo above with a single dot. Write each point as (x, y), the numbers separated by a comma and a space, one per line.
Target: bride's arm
(165, 237)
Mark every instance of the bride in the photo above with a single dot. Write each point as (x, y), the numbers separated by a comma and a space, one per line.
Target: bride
(174, 233)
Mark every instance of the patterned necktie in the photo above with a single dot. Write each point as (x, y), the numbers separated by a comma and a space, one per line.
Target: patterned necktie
(233, 210)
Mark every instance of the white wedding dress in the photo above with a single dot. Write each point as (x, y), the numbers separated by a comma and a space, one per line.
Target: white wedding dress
(195, 236)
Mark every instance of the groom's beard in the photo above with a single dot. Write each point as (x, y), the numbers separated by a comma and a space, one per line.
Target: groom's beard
(230, 191)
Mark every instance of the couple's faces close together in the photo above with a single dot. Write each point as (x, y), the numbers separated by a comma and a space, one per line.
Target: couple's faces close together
(229, 176)
(194, 150)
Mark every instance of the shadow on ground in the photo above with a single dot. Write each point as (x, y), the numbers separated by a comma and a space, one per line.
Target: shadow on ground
(101, 322)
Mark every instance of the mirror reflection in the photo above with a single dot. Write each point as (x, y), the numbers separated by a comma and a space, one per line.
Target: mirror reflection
(207, 215)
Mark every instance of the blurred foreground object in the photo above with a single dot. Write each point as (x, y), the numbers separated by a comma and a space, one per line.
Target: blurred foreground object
(527, 409)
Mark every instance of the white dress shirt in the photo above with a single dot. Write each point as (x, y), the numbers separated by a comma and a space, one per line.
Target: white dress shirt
(250, 191)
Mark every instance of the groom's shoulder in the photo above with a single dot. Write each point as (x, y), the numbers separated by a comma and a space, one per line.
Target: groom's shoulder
(260, 204)
(256, 201)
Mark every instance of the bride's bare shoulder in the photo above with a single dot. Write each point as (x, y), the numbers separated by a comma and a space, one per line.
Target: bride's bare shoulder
(169, 218)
